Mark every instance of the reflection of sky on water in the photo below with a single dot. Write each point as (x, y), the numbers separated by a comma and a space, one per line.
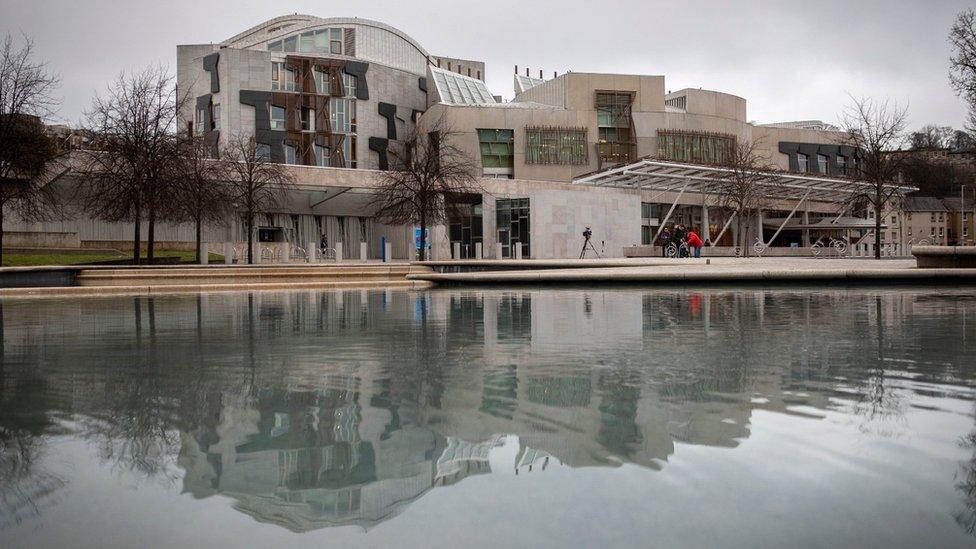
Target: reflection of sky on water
(313, 411)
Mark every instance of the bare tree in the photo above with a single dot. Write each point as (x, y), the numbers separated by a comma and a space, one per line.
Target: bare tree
(25, 149)
(127, 171)
(874, 129)
(962, 64)
(427, 171)
(743, 187)
(257, 184)
(201, 194)
(933, 137)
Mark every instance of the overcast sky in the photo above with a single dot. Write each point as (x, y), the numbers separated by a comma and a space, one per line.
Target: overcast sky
(790, 60)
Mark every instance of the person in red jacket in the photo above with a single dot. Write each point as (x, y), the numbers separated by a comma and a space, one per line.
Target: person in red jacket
(695, 242)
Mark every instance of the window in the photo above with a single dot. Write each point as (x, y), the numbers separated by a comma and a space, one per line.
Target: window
(965, 231)
(308, 119)
(615, 142)
(282, 77)
(933, 217)
(201, 121)
(216, 116)
(932, 231)
(336, 42)
(290, 44)
(264, 152)
(349, 85)
(512, 224)
(289, 154)
(277, 117)
(349, 151)
(647, 235)
(940, 232)
(822, 163)
(841, 164)
(555, 146)
(497, 152)
(306, 42)
(343, 115)
(940, 217)
(704, 148)
(894, 220)
(323, 157)
(801, 163)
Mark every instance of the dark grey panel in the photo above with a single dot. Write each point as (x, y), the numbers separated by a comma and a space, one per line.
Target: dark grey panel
(203, 104)
(210, 65)
(415, 115)
(812, 150)
(422, 83)
(380, 145)
(358, 69)
(263, 134)
(388, 111)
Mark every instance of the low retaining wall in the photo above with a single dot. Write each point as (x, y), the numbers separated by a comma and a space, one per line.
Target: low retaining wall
(945, 257)
(37, 277)
(727, 251)
(31, 239)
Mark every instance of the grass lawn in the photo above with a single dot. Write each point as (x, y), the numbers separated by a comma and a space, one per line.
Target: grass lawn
(29, 260)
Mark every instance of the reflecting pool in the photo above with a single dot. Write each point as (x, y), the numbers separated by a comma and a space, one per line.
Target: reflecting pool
(491, 418)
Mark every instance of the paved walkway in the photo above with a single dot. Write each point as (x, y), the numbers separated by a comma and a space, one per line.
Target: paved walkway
(724, 269)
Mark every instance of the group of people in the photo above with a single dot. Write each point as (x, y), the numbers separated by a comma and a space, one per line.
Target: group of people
(686, 241)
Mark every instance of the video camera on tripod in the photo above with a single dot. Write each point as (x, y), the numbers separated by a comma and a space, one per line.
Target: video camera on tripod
(587, 235)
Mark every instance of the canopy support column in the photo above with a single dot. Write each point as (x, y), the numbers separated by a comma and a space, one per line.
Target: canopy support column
(787, 220)
(671, 211)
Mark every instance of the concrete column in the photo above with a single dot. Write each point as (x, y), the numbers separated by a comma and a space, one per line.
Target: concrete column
(518, 250)
(498, 251)
(312, 252)
(477, 250)
(257, 253)
(284, 252)
(706, 229)
(363, 251)
(456, 250)
(204, 254)
(806, 232)
(338, 250)
(228, 253)
(388, 251)
(759, 226)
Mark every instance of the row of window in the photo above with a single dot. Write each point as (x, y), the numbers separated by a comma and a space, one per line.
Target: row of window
(342, 112)
(702, 148)
(283, 79)
(843, 166)
(322, 156)
(317, 41)
(542, 146)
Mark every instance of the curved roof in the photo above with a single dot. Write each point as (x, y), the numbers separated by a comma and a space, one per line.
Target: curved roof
(286, 25)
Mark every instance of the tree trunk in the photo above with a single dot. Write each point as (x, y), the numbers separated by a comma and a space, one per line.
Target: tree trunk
(250, 238)
(877, 224)
(137, 239)
(423, 239)
(738, 230)
(197, 221)
(151, 237)
(1, 234)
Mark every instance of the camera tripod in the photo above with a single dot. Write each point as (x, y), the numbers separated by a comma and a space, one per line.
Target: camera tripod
(588, 244)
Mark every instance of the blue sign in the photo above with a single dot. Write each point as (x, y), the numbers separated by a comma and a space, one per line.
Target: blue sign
(416, 238)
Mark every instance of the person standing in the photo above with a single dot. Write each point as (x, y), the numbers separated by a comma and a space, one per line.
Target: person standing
(694, 241)
(664, 239)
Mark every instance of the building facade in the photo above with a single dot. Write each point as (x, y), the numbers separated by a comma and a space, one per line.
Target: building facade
(330, 96)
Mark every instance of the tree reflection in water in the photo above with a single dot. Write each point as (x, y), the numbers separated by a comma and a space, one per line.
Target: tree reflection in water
(314, 409)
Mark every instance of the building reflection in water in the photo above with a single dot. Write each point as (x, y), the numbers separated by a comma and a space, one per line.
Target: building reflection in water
(316, 409)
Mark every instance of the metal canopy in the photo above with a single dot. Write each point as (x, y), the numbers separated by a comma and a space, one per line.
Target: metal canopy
(665, 176)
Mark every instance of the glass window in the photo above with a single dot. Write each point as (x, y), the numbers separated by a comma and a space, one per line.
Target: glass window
(613, 122)
(274, 46)
(336, 41)
(290, 44)
(264, 152)
(343, 115)
(308, 119)
(822, 163)
(349, 84)
(551, 145)
(497, 151)
(282, 77)
(801, 163)
(289, 154)
(703, 148)
(277, 117)
(201, 121)
(322, 40)
(216, 116)
(306, 43)
(322, 156)
(841, 164)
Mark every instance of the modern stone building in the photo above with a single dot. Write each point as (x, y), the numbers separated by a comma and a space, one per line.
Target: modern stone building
(621, 154)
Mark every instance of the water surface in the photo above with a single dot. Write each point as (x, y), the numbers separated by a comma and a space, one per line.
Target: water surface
(526, 418)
